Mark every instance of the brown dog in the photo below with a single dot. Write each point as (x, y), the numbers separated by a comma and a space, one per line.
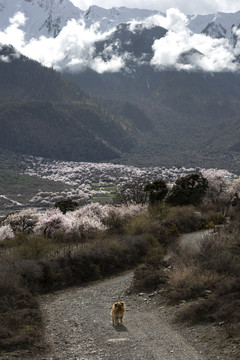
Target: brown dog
(117, 312)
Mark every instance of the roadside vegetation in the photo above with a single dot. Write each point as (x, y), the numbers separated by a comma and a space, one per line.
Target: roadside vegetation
(71, 245)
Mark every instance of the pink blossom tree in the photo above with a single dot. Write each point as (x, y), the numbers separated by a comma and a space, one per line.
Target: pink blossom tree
(6, 232)
(22, 221)
(221, 189)
(53, 221)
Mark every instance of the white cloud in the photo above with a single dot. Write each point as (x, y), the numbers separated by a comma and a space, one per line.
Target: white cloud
(73, 48)
(12, 34)
(174, 20)
(204, 53)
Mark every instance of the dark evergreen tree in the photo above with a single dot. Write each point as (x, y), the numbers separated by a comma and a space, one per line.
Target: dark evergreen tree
(157, 190)
(66, 205)
(188, 190)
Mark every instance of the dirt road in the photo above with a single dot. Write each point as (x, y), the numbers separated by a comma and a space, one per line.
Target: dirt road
(78, 326)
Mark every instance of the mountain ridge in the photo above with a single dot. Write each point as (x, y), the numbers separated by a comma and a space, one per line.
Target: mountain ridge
(48, 17)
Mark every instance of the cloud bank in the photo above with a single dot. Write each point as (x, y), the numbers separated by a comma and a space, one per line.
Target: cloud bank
(74, 48)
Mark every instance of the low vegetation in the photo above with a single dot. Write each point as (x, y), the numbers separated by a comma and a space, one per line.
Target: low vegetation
(203, 282)
(58, 249)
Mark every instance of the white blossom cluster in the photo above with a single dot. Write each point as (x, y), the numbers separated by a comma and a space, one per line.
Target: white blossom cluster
(222, 186)
(81, 176)
(90, 217)
(6, 232)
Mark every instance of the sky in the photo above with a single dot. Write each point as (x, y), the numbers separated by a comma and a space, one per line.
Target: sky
(189, 7)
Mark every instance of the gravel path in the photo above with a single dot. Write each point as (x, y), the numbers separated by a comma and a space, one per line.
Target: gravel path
(78, 326)
(194, 240)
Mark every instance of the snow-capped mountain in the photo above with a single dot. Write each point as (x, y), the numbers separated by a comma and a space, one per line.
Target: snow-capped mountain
(43, 17)
(48, 17)
(109, 18)
(217, 26)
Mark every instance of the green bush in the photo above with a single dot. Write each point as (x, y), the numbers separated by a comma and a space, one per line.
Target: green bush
(147, 278)
(31, 247)
(20, 317)
(141, 224)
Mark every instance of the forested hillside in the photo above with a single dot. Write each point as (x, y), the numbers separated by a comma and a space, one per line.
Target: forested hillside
(43, 114)
(188, 112)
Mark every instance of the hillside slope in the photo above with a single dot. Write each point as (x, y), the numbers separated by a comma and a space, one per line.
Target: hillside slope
(43, 114)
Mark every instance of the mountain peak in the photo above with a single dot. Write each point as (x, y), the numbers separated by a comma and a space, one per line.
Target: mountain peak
(218, 25)
(44, 17)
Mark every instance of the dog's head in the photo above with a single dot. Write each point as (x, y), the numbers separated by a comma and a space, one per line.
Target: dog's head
(119, 305)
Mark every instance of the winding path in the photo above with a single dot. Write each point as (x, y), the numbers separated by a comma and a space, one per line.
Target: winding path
(78, 326)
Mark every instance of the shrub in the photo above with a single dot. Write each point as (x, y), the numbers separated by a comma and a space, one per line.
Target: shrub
(148, 278)
(218, 253)
(159, 210)
(32, 247)
(188, 282)
(222, 306)
(141, 224)
(20, 318)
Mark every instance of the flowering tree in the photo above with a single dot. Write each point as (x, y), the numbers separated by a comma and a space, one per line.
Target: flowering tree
(6, 232)
(132, 192)
(95, 216)
(88, 218)
(53, 221)
(222, 191)
(22, 221)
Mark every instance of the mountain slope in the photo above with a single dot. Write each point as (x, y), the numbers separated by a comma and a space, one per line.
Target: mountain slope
(43, 114)
(22, 78)
(43, 17)
(42, 129)
(217, 26)
(48, 17)
(110, 18)
(156, 111)
(188, 111)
